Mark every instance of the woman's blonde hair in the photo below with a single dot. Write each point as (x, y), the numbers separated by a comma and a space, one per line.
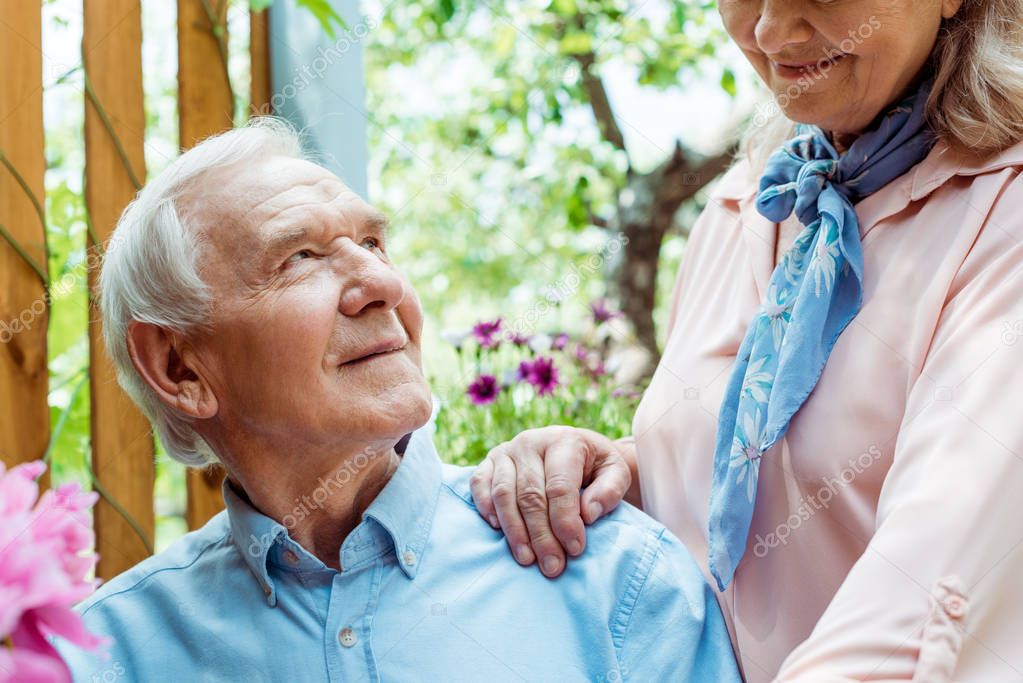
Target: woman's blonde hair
(976, 104)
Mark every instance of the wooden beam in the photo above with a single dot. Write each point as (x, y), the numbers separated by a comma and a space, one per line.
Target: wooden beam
(205, 107)
(122, 441)
(259, 56)
(24, 305)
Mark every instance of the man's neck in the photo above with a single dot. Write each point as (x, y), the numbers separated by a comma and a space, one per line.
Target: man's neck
(318, 505)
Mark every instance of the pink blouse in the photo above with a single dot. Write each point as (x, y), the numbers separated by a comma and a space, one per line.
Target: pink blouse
(887, 540)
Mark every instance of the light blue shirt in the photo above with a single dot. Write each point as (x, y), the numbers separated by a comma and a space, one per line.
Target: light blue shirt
(427, 592)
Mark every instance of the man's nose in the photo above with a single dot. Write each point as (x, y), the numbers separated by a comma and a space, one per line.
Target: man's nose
(780, 25)
(370, 284)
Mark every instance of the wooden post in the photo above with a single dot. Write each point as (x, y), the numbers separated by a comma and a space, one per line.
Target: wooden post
(259, 56)
(205, 107)
(24, 305)
(122, 441)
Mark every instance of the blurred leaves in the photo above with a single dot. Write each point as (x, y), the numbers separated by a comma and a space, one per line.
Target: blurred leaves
(324, 12)
(483, 139)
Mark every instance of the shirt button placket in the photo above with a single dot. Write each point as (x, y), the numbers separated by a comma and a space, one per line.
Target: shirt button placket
(351, 655)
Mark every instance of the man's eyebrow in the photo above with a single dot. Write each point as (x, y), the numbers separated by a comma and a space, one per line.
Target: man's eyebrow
(288, 238)
(378, 222)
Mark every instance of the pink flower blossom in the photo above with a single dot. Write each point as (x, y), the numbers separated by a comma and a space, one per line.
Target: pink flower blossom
(43, 544)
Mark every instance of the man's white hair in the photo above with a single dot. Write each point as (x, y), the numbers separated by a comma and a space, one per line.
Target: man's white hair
(150, 272)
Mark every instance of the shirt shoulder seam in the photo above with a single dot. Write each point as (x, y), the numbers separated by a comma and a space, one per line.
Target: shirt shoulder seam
(153, 573)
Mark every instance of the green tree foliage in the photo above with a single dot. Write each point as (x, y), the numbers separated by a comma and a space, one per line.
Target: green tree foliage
(496, 146)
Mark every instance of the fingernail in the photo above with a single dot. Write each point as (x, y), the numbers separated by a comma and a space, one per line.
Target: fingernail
(493, 520)
(595, 510)
(550, 564)
(575, 547)
(523, 554)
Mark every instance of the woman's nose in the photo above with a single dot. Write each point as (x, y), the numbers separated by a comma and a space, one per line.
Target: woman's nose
(371, 283)
(780, 26)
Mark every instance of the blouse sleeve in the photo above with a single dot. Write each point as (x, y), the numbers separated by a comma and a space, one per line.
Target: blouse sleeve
(932, 595)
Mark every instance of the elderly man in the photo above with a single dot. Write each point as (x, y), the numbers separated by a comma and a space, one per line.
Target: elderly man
(253, 314)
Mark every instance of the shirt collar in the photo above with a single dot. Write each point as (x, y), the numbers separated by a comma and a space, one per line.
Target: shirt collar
(405, 507)
(403, 512)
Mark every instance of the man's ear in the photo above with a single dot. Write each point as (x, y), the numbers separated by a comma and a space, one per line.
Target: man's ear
(949, 8)
(169, 368)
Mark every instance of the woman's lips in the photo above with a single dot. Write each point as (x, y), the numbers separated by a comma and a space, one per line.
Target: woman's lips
(796, 70)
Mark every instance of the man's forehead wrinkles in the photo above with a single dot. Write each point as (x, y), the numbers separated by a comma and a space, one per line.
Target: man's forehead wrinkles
(308, 191)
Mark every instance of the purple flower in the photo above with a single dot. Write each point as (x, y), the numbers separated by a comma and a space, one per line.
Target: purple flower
(542, 374)
(483, 390)
(560, 341)
(590, 361)
(520, 339)
(525, 367)
(625, 392)
(486, 333)
(602, 312)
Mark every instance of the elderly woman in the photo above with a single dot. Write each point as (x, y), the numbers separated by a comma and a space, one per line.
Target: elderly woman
(833, 429)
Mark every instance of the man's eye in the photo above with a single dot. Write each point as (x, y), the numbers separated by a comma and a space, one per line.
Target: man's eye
(299, 255)
(373, 244)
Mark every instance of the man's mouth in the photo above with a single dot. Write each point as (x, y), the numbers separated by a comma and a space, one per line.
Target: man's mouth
(379, 350)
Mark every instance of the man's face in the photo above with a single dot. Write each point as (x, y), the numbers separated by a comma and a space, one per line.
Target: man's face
(315, 336)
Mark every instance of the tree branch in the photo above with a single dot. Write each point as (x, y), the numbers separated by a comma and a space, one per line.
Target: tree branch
(600, 103)
(681, 176)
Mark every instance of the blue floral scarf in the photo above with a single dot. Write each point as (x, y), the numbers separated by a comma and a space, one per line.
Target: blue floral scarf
(814, 292)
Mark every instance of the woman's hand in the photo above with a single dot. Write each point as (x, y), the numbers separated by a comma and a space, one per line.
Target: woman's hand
(529, 487)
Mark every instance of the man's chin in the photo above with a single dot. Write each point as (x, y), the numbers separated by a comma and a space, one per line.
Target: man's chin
(397, 405)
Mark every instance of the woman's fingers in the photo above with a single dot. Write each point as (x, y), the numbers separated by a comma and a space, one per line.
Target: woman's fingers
(564, 467)
(611, 480)
(533, 506)
(480, 484)
(507, 507)
(530, 488)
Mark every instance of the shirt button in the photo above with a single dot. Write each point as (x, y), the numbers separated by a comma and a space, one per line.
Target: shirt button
(409, 557)
(955, 607)
(290, 557)
(347, 637)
